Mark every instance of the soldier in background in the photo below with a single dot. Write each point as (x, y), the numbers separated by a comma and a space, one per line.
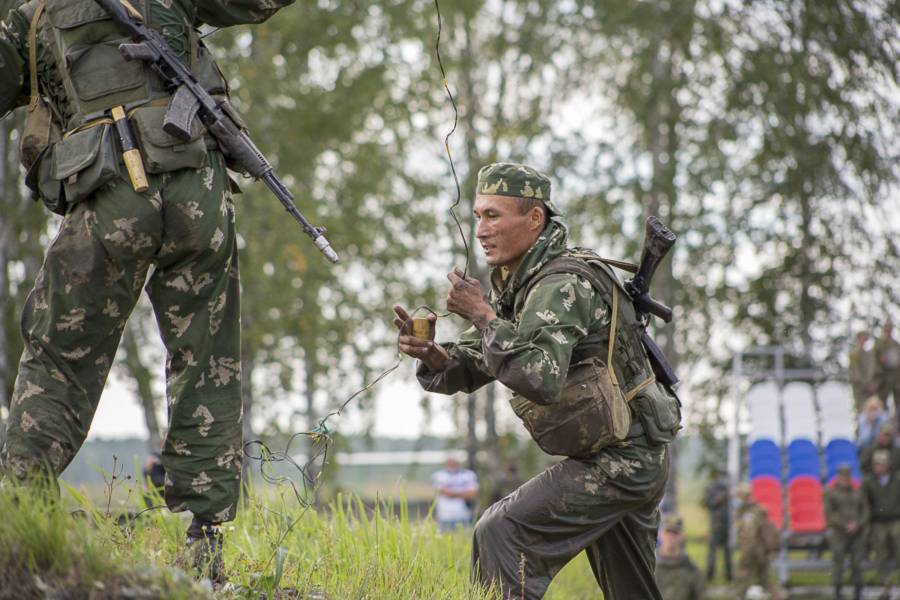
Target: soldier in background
(173, 230)
(757, 542)
(881, 493)
(677, 576)
(887, 350)
(847, 515)
(862, 370)
(717, 500)
(883, 441)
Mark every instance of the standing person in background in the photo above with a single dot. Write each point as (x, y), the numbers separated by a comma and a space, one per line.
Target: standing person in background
(677, 576)
(881, 493)
(887, 351)
(870, 421)
(884, 441)
(862, 370)
(757, 542)
(717, 500)
(457, 490)
(847, 514)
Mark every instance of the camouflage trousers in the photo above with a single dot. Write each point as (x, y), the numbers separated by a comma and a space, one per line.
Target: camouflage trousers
(752, 569)
(182, 232)
(884, 539)
(843, 546)
(606, 506)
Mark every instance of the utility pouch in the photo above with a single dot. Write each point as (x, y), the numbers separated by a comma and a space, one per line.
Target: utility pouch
(591, 413)
(39, 180)
(162, 152)
(659, 412)
(38, 132)
(85, 161)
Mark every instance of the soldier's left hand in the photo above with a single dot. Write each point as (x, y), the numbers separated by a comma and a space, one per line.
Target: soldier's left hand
(466, 299)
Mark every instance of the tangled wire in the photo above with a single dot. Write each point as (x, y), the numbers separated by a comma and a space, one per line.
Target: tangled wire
(307, 474)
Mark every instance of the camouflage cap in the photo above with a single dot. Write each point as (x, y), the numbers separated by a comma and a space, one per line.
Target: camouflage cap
(886, 427)
(845, 469)
(672, 523)
(742, 489)
(517, 181)
(881, 457)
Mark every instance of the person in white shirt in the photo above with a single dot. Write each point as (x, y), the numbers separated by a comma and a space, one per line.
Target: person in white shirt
(457, 489)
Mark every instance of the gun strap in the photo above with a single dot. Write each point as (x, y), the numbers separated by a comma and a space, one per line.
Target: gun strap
(630, 394)
(32, 55)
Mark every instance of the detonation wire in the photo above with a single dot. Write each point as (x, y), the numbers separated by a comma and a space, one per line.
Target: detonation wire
(321, 435)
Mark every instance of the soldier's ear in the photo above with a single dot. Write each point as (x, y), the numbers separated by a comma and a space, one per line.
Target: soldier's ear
(537, 218)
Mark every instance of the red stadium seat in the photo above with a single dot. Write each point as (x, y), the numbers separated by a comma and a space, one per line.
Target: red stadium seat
(767, 492)
(806, 510)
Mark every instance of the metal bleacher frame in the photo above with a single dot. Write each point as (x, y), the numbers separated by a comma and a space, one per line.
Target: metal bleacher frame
(814, 543)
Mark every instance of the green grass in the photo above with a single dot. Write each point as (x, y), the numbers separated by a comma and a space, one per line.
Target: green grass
(347, 550)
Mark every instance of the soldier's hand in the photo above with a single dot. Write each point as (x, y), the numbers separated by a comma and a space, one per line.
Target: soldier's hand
(433, 355)
(466, 299)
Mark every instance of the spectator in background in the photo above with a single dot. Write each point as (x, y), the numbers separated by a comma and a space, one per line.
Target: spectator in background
(717, 501)
(677, 576)
(870, 421)
(846, 514)
(862, 370)
(457, 489)
(887, 349)
(757, 542)
(881, 493)
(884, 441)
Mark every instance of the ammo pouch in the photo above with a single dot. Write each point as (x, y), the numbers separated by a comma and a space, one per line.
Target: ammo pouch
(163, 152)
(592, 411)
(83, 162)
(659, 412)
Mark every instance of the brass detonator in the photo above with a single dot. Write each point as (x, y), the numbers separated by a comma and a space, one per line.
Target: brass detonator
(130, 153)
(421, 328)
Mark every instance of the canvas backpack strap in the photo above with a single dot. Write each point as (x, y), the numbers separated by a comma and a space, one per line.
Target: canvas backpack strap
(32, 55)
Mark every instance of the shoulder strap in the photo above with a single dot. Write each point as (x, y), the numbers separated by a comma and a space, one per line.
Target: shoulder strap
(32, 54)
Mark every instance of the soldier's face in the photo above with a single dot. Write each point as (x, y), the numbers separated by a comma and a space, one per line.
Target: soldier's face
(505, 234)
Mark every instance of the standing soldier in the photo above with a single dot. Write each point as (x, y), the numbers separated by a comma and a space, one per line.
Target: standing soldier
(677, 576)
(757, 542)
(862, 370)
(887, 350)
(561, 333)
(883, 441)
(717, 501)
(135, 201)
(846, 514)
(881, 493)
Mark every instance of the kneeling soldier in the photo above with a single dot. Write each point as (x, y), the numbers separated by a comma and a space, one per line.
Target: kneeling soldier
(562, 334)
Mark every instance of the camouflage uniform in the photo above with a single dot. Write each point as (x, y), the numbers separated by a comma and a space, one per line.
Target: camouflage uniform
(862, 373)
(845, 505)
(882, 497)
(679, 578)
(754, 555)
(887, 353)
(181, 231)
(605, 504)
(866, 454)
(717, 502)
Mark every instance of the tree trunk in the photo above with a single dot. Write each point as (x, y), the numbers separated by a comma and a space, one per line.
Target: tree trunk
(247, 367)
(132, 341)
(5, 359)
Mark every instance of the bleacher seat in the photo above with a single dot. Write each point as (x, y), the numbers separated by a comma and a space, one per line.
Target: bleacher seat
(838, 452)
(765, 418)
(799, 412)
(767, 492)
(806, 509)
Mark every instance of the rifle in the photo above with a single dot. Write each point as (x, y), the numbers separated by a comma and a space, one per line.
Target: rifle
(658, 240)
(190, 100)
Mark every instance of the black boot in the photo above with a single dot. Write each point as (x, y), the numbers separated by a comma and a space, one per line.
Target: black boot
(204, 544)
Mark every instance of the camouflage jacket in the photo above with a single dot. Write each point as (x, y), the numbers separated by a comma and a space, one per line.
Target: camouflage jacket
(538, 340)
(845, 505)
(883, 501)
(177, 20)
(679, 578)
(752, 523)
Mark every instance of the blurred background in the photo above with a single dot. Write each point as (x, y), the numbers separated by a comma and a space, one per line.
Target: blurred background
(763, 133)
